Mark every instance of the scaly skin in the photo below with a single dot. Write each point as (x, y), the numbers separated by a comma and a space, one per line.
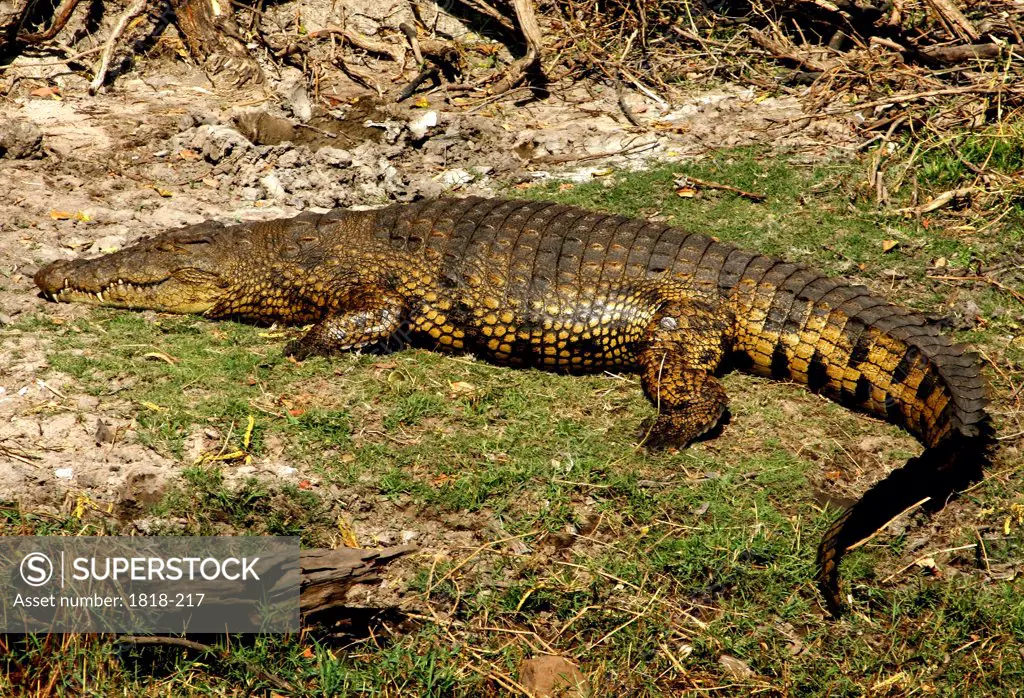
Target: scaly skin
(559, 288)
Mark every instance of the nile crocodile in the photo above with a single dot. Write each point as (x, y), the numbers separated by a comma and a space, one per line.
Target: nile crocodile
(530, 283)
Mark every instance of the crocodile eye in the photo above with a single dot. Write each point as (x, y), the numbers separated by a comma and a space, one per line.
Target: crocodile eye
(182, 246)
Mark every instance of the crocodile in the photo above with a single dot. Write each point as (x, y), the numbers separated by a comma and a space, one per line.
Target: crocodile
(560, 288)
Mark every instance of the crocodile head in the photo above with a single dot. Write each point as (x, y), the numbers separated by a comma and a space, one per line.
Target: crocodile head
(190, 270)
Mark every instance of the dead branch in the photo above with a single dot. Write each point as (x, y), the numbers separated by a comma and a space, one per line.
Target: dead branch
(363, 42)
(779, 50)
(60, 19)
(410, 36)
(485, 9)
(133, 11)
(986, 280)
(969, 52)
(627, 111)
(443, 54)
(530, 30)
(952, 15)
(686, 180)
(940, 200)
(427, 73)
(913, 97)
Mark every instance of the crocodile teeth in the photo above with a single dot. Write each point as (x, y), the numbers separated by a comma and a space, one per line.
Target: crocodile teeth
(99, 294)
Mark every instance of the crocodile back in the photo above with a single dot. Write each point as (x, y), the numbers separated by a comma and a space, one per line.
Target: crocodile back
(538, 259)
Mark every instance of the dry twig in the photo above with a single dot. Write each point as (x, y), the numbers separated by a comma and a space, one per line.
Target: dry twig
(133, 11)
(686, 180)
(530, 29)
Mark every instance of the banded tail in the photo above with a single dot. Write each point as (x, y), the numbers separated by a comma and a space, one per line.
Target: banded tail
(855, 348)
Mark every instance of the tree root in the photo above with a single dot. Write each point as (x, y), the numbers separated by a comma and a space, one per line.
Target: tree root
(133, 11)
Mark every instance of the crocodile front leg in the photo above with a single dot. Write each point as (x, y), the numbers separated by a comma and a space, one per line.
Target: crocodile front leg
(686, 343)
(372, 318)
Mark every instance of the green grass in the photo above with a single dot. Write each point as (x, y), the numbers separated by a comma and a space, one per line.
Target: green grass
(949, 160)
(543, 527)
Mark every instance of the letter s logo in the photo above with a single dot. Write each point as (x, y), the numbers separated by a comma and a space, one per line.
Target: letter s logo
(36, 569)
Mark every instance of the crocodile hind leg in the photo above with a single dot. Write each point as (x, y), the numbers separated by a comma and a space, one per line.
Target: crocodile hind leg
(686, 343)
(367, 320)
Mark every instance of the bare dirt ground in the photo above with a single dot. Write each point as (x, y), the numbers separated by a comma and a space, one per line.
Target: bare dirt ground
(165, 149)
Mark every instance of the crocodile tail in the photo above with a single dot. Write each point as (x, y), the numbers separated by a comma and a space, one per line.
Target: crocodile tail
(857, 349)
(935, 477)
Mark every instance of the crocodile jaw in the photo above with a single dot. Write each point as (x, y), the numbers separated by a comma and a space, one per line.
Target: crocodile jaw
(98, 282)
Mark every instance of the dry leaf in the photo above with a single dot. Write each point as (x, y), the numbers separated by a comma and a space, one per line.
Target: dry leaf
(61, 215)
(462, 388)
(686, 192)
(348, 534)
(46, 92)
(441, 480)
(889, 245)
(422, 103)
(736, 668)
(160, 356)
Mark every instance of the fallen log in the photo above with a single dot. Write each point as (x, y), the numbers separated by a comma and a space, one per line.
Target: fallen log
(327, 575)
(968, 52)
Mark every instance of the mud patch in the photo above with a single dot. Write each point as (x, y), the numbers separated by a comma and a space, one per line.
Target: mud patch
(344, 127)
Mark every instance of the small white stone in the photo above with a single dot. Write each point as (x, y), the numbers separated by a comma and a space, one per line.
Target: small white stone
(272, 186)
(454, 178)
(419, 126)
(64, 473)
(107, 244)
(335, 157)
